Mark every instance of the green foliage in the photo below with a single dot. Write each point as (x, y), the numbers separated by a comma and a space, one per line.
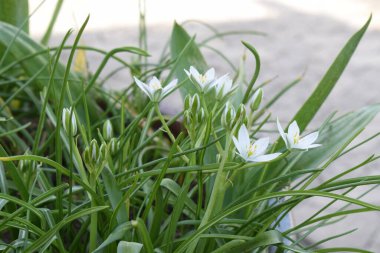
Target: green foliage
(113, 174)
(15, 12)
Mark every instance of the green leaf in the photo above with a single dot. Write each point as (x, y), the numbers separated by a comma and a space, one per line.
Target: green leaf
(255, 74)
(23, 204)
(314, 102)
(267, 238)
(13, 172)
(341, 249)
(143, 234)
(190, 55)
(175, 189)
(45, 238)
(225, 213)
(335, 134)
(117, 234)
(15, 12)
(23, 45)
(114, 195)
(3, 180)
(130, 247)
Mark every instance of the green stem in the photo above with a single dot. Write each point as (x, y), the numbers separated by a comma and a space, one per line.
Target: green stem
(167, 129)
(217, 194)
(47, 35)
(94, 218)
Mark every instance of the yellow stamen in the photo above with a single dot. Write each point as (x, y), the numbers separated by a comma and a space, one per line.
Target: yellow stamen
(251, 149)
(296, 138)
(203, 78)
(156, 85)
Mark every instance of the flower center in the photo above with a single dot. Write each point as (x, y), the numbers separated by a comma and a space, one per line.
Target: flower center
(296, 138)
(251, 149)
(156, 86)
(203, 78)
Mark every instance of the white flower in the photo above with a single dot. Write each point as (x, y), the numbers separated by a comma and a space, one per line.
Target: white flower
(292, 139)
(223, 86)
(204, 81)
(66, 121)
(154, 89)
(253, 152)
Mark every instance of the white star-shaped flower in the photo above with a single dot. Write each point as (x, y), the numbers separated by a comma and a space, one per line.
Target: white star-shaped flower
(204, 81)
(293, 140)
(154, 89)
(252, 152)
(223, 86)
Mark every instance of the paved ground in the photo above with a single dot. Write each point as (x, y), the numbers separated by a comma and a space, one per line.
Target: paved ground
(301, 36)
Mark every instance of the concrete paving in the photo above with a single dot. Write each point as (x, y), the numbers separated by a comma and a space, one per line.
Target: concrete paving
(301, 35)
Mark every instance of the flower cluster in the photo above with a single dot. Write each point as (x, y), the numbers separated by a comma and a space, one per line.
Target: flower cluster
(252, 152)
(204, 83)
(230, 119)
(255, 152)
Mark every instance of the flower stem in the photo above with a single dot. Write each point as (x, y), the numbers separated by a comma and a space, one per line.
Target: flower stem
(217, 194)
(167, 129)
(94, 218)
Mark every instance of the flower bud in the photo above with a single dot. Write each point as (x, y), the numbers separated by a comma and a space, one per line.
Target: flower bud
(87, 159)
(187, 103)
(192, 103)
(22, 165)
(113, 146)
(256, 99)
(241, 113)
(200, 115)
(228, 116)
(218, 158)
(188, 118)
(94, 150)
(94, 156)
(66, 116)
(195, 103)
(102, 154)
(107, 130)
(245, 120)
(26, 165)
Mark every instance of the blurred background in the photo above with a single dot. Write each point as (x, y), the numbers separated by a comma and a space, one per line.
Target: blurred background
(301, 38)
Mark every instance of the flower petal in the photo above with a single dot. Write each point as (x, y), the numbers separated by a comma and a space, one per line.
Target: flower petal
(305, 147)
(264, 158)
(168, 88)
(293, 129)
(219, 84)
(194, 72)
(314, 146)
(282, 133)
(210, 74)
(227, 86)
(261, 146)
(187, 73)
(154, 80)
(145, 88)
(243, 137)
(309, 139)
(242, 151)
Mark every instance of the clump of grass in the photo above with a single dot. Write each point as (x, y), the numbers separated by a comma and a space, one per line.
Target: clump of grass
(84, 169)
